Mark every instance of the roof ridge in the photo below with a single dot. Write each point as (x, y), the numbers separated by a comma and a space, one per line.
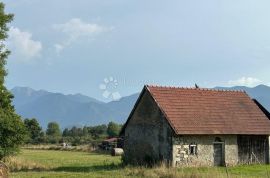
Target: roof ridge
(194, 88)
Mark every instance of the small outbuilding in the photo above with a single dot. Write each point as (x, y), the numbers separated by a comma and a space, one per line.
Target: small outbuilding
(109, 143)
(196, 127)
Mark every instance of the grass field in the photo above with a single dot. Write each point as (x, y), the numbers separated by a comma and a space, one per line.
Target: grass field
(48, 163)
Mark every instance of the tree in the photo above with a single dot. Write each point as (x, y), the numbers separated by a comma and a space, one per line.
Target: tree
(113, 129)
(98, 131)
(12, 130)
(34, 130)
(85, 135)
(66, 132)
(42, 138)
(53, 132)
(53, 129)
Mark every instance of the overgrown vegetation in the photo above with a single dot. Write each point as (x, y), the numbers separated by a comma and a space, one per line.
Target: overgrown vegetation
(12, 130)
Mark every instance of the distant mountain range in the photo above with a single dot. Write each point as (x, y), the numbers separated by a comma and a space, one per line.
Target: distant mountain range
(69, 110)
(79, 110)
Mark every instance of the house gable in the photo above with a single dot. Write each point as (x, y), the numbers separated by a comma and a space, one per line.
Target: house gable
(148, 129)
(143, 93)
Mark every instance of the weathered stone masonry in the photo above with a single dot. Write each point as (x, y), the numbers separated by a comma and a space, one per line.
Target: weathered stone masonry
(204, 150)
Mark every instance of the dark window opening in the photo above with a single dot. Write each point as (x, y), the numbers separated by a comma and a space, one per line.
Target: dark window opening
(217, 139)
(193, 149)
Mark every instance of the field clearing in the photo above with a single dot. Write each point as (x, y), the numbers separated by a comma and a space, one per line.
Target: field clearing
(49, 163)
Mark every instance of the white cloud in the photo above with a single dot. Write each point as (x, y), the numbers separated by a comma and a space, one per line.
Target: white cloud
(245, 81)
(24, 46)
(58, 48)
(75, 28)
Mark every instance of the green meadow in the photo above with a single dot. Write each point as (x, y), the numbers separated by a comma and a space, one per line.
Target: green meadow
(50, 163)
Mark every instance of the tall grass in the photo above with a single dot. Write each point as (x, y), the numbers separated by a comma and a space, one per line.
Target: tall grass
(18, 164)
(163, 171)
(4, 171)
(84, 148)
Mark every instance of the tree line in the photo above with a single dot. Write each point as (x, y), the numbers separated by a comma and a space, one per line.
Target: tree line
(73, 135)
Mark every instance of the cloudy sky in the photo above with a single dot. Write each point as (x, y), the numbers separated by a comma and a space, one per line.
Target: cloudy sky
(91, 46)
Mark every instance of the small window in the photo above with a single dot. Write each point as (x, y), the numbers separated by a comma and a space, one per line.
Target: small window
(193, 149)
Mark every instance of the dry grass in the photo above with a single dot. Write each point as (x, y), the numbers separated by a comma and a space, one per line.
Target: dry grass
(84, 148)
(163, 171)
(16, 164)
(4, 171)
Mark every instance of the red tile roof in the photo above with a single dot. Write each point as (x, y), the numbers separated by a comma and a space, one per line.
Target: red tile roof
(209, 111)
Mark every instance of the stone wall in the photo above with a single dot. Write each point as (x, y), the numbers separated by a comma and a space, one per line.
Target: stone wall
(204, 155)
(147, 134)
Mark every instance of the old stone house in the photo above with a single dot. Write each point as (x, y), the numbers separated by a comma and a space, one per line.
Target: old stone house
(196, 127)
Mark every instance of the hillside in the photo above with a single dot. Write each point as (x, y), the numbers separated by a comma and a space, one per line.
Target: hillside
(69, 110)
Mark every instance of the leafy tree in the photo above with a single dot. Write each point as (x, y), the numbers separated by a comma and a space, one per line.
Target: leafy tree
(42, 138)
(66, 132)
(12, 130)
(98, 131)
(53, 132)
(85, 135)
(53, 129)
(85, 131)
(76, 132)
(34, 130)
(113, 129)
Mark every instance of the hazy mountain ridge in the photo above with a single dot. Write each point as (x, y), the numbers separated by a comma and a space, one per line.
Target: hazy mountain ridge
(78, 109)
(69, 110)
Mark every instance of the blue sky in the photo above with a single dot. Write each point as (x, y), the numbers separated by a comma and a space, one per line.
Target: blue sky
(72, 46)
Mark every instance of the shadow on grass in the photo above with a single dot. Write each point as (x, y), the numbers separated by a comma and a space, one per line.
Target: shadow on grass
(93, 168)
(30, 170)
